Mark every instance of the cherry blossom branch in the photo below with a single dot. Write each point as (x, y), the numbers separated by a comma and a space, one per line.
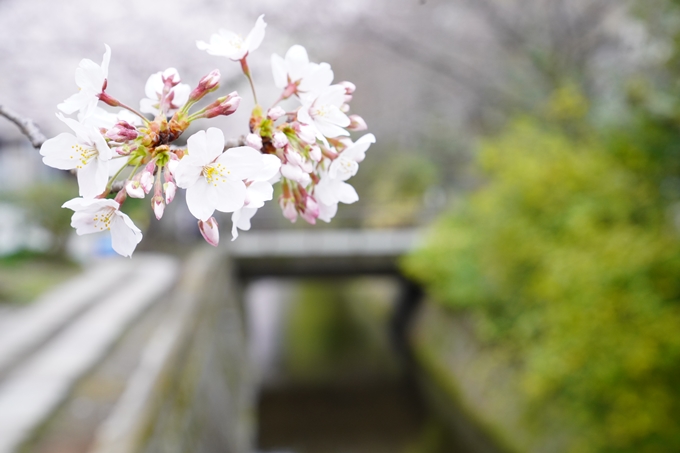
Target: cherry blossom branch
(27, 126)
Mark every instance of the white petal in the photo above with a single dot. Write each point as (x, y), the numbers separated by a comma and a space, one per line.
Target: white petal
(201, 200)
(182, 92)
(318, 79)
(78, 204)
(81, 131)
(149, 106)
(333, 95)
(92, 178)
(327, 212)
(328, 128)
(256, 35)
(214, 140)
(197, 148)
(89, 76)
(186, 173)
(324, 192)
(154, 86)
(124, 234)
(75, 102)
(357, 151)
(297, 62)
(231, 195)
(304, 117)
(259, 192)
(243, 162)
(58, 152)
(346, 193)
(279, 71)
(105, 61)
(241, 219)
(270, 167)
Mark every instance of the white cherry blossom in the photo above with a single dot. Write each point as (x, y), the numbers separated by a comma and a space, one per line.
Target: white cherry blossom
(96, 215)
(91, 81)
(297, 75)
(331, 191)
(229, 44)
(177, 96)
(259, 189)
(86, 151)
(214, 177)
(347, 163)
(324, 113)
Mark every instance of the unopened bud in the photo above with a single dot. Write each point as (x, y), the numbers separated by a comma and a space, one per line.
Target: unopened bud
(209, 231)
(288, 208)
(172, 165)
(134, 189)
(349, 87)
(207, 84)
(146, 180)
(357, 123)
(306, 133)
(158, 206)
(275, 113)
(170, 189)
(315, 153)
(311, 211)
(254, 141)
(344, 108)
(122, 131)
(279, 140)
(125, 150)
(223, 106)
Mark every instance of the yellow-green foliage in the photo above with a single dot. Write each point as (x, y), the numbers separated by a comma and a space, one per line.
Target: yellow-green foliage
(571, 262)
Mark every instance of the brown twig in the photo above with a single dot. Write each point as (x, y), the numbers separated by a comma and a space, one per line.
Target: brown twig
(26, 125)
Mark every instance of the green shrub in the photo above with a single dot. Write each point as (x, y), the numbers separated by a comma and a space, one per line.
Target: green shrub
(569, 261)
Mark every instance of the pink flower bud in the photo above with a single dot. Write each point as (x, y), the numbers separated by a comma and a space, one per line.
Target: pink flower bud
(311, 211)
(357, 123)
(209, 231)
(125, 150)
(172, 165)
(134, 189)
(170, 189)
(146, 180)
(275, 113)
(349, 87)
(122, 131)
(279, 140)
(207, 84)
(223, 106)
(288, 208)
(254, 141)
(306, 133)
(158, 206)
(315, 153)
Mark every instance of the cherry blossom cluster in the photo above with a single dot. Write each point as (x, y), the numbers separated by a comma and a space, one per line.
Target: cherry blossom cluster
(133, 153)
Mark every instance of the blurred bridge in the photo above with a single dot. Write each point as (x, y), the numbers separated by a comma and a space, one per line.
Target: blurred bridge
(315, 253)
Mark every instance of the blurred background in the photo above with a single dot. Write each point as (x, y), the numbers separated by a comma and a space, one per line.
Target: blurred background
(531, 145)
